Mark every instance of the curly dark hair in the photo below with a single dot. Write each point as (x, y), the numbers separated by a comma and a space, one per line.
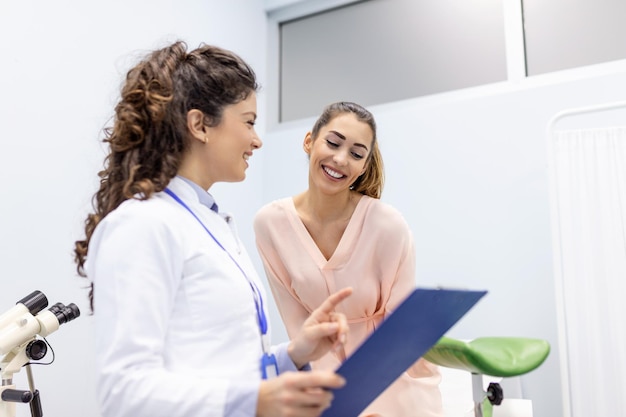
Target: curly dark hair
(149, 132)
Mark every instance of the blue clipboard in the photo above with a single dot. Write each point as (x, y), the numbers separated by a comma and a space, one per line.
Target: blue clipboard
(402, 338)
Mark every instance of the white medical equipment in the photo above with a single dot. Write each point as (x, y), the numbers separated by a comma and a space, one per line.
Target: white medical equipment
(23, 329)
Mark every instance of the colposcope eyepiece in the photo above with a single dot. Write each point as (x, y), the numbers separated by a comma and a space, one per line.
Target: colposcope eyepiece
(35, 302)
(29, 318)
(36, 350)
(65, 313)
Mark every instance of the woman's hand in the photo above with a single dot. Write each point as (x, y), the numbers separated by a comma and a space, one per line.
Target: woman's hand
(302, 394)
(322, 331)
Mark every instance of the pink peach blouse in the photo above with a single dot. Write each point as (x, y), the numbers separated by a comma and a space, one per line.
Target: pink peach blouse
(375, 257)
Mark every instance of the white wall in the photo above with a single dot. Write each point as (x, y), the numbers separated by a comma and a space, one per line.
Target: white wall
(469, 171)
(62, 65)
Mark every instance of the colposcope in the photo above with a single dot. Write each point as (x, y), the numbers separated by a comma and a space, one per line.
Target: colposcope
(23, 329)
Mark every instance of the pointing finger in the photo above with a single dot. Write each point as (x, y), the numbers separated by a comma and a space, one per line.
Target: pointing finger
(333, 300)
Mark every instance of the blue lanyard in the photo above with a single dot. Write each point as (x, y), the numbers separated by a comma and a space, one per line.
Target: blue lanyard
(269, 366)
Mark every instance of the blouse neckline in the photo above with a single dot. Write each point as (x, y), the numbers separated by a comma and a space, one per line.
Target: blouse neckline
(345, 243)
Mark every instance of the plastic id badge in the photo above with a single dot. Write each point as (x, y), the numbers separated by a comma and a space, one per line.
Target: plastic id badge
(401, 339)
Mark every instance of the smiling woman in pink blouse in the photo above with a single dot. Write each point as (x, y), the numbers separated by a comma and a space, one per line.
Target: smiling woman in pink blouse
(338, 233)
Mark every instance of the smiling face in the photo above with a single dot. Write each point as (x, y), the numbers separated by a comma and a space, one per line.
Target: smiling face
(339, 154)
(220, 153)
(233, 141)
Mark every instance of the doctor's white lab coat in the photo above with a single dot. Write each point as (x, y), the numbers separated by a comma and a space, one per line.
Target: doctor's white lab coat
(175, 319)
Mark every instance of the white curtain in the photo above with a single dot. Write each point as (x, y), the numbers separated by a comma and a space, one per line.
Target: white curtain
(588, 168)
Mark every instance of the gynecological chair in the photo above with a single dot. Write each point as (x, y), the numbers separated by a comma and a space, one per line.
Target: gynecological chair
(493, 356)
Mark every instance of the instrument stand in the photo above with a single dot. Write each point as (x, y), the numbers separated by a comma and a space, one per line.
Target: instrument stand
(11, 364)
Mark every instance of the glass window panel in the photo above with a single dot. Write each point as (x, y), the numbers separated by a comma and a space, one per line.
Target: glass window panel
(564, 34)
(379, 51)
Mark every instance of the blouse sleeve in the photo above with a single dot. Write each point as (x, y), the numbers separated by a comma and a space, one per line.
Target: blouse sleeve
(398, 237)
(269, 245)
(396, 242)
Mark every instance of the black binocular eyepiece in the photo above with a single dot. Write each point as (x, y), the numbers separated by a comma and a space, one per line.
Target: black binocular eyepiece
(37, 301)
(65, 313)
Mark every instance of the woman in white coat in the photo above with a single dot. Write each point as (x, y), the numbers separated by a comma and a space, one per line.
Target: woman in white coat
(180, 321)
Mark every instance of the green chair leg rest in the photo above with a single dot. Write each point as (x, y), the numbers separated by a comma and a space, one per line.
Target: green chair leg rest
(494, 356)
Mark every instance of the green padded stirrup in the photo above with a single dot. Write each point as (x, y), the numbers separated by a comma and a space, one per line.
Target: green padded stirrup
(494, 356)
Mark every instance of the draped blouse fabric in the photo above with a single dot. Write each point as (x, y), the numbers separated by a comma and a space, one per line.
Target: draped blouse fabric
(375, 257)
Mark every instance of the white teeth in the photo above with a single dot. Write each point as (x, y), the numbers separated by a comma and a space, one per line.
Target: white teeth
(246, 156)
(332, 173)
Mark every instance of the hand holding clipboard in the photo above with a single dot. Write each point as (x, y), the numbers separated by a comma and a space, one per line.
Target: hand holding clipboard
(405, 336)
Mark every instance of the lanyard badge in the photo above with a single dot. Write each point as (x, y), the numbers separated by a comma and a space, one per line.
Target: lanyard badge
(269, 365)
